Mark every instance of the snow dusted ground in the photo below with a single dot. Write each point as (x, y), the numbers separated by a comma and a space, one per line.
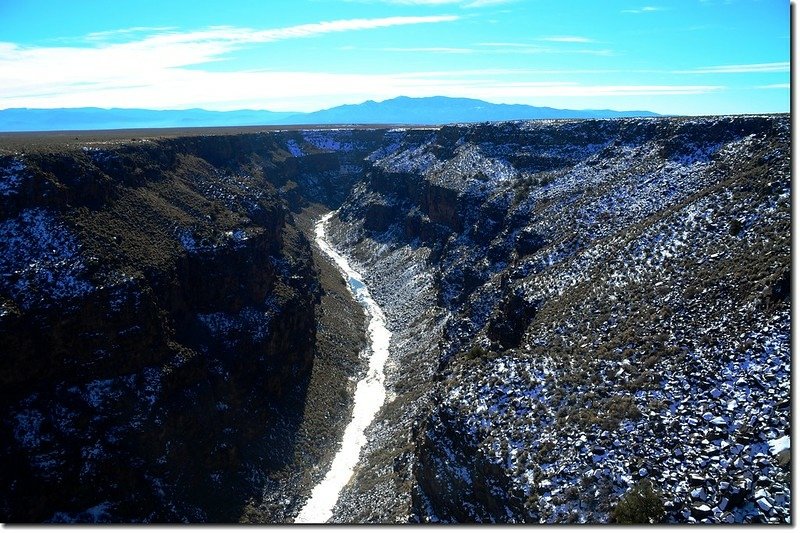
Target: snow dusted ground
(616, 298)
(43, 259)
(11, 177)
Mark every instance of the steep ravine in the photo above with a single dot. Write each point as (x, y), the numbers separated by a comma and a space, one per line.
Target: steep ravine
(328, 400)
(368, 397)
(577, 308)
(402, 285)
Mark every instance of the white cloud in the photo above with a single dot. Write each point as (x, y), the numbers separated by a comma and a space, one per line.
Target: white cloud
(775, 86)
(526, 48)
(782, 66)
(412, 2)
(126, 32)
(645, 9)
(510, 45)
(487, 3)
(431, 49)
(516, 72)
(45, 75)
(318, 28)
(491, 48)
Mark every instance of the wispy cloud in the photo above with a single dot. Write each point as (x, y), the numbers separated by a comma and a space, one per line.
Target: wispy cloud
(180, 88)
(491, 48)
(320, 28)
(487, 3)
(774, 86)
(102, 71)
(100, 57)
(228, 35)
(645, 9)
(782, 66)
(516, 47)
(126, 32)
(419, 2)
(527, 48)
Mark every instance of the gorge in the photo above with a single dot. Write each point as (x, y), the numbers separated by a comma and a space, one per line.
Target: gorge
(571, 309)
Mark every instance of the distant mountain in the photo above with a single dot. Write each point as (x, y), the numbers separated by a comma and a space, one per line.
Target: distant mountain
(444, 110)
(400, 110)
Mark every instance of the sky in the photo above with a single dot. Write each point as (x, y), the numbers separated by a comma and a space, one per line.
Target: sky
(683, 57)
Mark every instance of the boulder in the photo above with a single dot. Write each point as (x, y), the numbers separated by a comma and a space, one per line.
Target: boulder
(700, 511)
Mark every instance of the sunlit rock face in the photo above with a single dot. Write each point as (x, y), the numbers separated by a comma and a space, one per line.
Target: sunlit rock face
(616, 303)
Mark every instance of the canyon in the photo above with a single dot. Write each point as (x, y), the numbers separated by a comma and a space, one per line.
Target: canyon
(577, 309)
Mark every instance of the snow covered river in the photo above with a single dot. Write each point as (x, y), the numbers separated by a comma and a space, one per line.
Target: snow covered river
(369, 396)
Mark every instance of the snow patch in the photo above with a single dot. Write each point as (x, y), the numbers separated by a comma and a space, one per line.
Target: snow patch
(42, 257)
(11, 177)
(294, 148)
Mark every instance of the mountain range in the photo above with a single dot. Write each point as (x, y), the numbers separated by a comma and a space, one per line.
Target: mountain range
(400, 110)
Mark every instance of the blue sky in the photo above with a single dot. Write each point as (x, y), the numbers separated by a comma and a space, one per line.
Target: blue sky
(668, 56)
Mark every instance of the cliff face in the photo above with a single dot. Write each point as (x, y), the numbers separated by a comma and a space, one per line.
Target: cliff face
(615, 303)
(157, 305)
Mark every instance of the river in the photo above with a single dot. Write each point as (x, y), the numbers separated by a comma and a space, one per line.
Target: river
(369, 396)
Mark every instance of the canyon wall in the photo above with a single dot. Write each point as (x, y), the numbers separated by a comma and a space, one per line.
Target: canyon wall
(157, 314)
(611, 305)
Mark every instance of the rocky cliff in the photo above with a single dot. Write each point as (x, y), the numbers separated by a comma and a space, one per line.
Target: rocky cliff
(157, 307)
(610, 303)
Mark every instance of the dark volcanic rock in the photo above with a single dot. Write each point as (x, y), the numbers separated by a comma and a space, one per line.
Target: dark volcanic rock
(155, 311)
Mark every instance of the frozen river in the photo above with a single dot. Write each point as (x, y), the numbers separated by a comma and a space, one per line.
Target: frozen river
(369, 396)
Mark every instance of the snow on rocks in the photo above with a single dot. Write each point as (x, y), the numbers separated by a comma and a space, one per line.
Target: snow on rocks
(294, 148)
(249, 322)
(43, 257)
(332, 140)
(651, 355)
(11, 176)
(97, 514)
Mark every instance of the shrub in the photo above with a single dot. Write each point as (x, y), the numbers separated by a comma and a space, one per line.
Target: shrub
(640, 505)
(476, 352)
(621, 407)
